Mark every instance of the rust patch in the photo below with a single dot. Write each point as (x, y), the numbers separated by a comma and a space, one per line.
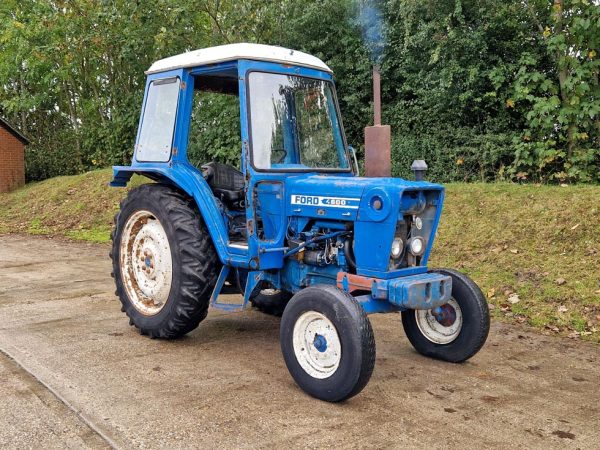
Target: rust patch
(355, 282)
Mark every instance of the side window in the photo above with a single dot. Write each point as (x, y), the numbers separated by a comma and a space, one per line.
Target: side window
(158, 121)
(215, 128)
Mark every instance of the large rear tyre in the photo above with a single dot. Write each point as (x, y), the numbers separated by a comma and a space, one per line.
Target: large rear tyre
(327, 343)
(459, 331)
(164, 263)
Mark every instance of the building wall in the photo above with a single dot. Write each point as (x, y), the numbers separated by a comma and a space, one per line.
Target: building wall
(12, 161)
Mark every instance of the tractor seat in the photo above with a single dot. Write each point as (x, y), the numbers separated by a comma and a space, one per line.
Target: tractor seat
(226, 182)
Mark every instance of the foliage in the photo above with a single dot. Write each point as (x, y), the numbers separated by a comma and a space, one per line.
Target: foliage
(215, 129)
(481, 89)
(557, 90)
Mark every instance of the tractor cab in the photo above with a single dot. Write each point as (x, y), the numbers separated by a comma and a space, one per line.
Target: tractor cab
(289, 124)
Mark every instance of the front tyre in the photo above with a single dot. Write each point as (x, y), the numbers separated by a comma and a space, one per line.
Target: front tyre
(460, 328)
(164, 262)
(327, 343)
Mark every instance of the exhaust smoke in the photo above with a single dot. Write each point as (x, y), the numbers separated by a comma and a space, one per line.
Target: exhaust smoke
(377, 137)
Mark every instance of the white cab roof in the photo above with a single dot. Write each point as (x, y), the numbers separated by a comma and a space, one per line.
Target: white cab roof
(231, 52)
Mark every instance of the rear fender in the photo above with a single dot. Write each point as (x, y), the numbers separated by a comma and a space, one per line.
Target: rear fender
(189, 180)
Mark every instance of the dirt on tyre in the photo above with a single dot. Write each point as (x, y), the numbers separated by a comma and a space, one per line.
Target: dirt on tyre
(327, 343)
(461, 329)
(165, 265)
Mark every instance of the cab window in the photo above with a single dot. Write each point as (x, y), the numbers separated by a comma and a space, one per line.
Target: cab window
(158, 121)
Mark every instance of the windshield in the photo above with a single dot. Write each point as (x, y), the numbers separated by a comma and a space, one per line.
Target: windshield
(294, 123)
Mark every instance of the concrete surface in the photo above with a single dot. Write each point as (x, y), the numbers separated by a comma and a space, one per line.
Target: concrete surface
(74, 374)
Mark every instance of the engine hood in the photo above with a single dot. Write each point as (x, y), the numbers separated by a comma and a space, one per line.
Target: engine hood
(350, 198)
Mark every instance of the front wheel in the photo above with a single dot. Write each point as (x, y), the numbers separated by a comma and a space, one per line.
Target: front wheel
(459, 329)
(327, 343)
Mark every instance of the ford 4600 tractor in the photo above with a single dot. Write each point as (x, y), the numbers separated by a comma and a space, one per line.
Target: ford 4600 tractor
(296, 228)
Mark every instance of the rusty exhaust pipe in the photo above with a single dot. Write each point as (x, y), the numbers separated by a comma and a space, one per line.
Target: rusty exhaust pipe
(378, 138)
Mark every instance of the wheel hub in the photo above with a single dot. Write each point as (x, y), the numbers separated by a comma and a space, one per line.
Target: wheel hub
(317, 345)
(440, 325)
(445, 315)
(146, 262)
(320, 343)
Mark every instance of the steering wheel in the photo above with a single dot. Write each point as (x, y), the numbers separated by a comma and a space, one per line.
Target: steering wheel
(282, 150)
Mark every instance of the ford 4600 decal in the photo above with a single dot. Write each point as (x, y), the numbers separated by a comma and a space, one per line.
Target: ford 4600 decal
(331, 202)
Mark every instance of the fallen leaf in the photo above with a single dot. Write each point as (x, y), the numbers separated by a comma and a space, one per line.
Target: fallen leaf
(585, 333)
(497, 249)
(562, 308)
(573, 335)
(560, 281)
(491, 293)
(563, 434)
(514, 298)
(514, 250)
(575, 226)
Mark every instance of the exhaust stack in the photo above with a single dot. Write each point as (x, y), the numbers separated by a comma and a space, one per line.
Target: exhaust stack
(378, 138)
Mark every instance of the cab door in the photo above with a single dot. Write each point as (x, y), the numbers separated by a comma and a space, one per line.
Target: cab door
(265, 192)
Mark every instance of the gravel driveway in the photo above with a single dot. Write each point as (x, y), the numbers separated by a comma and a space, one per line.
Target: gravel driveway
(74, 374)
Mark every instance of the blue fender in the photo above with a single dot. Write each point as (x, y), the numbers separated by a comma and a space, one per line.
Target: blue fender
(188, 179)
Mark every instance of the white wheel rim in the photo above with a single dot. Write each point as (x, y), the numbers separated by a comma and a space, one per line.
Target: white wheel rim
(317, 345)
(434, 330)
(146, 262)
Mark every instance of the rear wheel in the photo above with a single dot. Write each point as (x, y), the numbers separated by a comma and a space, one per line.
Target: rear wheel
(164, 262)
(458, 330)
(327, 343)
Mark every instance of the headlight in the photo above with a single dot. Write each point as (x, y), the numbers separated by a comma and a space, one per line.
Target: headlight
(397, 247)
(416, 245)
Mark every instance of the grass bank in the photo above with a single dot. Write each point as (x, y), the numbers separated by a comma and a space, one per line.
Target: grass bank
(534, 250)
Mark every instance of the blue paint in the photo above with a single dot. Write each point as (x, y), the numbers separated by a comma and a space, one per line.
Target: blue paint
(320, 343)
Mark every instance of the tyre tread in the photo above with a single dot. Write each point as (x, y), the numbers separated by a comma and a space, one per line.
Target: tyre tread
(198, 269)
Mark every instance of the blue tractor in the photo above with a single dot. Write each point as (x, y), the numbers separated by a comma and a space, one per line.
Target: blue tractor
(294, 227)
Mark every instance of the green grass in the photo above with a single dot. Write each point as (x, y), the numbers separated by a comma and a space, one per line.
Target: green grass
(541, 243)
(81, 206)
(512, 239)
